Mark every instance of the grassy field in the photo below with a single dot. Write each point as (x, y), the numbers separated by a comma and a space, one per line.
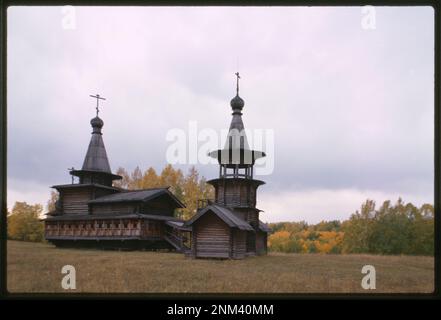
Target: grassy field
(36, 267)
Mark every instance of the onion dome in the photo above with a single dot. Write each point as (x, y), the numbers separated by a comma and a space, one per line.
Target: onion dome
(97, 124)
(237, 103)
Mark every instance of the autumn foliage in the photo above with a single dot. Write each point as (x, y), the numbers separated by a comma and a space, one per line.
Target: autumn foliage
(401, 228)
(391, 229)
(188, 187)
(23, 223)
(295, 237)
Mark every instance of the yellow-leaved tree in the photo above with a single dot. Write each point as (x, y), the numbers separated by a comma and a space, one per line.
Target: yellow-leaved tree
(187, 188)
(23, 223)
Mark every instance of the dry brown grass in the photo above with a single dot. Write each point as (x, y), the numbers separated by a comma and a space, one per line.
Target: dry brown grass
(36, 267)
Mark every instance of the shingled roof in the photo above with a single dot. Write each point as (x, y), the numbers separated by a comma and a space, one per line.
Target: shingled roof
(143, 195)
(264, 227)
(95, 162)
(227, 215)
(96, 156)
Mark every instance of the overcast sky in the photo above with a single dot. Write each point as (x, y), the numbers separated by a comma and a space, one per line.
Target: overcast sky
(351, 108)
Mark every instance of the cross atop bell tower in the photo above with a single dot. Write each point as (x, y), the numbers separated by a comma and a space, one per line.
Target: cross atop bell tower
(237, 83)
(98, 98)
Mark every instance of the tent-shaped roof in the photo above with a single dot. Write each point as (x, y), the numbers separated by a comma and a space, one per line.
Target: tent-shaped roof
(225, 214)
(96, 156)
(96, 160)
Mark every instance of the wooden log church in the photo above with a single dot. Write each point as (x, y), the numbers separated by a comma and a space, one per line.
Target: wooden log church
(93, 213)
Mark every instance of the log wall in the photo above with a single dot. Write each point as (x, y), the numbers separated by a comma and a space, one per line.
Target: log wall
(211, 237)
(113, 208)
(75, 200)
(236, 193)
(238, 245)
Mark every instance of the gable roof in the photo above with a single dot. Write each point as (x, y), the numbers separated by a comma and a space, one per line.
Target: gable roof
(143, 195)
(227, 215)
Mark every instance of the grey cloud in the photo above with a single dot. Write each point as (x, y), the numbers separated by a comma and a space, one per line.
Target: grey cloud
(350, 108)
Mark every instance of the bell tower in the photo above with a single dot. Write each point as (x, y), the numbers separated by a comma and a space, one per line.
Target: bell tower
(236, 187)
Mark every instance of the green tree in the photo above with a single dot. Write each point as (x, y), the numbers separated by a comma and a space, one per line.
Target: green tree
(390, 230)
(24, 222)
(398, 229)
(423, 232)
(358, 229)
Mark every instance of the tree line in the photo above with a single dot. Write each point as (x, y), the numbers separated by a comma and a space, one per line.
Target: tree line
(401, 228)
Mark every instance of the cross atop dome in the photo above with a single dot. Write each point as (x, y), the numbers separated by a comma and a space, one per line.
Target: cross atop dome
(98, 98)
(237, 102)
(237, 83)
